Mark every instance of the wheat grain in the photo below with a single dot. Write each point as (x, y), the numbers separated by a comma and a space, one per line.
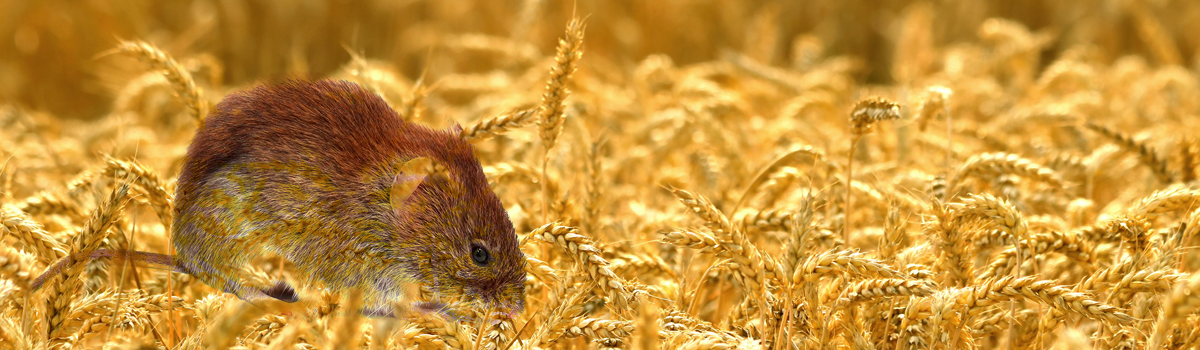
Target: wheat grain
(1181, 302)
(863, 117)
(871, 289)
(1147, 155)
(991, 292)
(566, 302)
(498, 332)
(1165, 201)
(550, 113)
(45, 203)
(954, 257)
(589, 260)
(62, 286)
(18, 225)
(1067, 244)
(835, 262)
(997, 164)
(180, 78)
(694, 239)
(148, 182)
(348, 331)
(15, 266)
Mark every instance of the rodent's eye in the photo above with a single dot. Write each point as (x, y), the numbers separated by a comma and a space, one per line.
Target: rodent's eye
(480, 255)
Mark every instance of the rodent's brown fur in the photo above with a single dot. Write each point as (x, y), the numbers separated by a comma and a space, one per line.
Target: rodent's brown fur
(305, 169)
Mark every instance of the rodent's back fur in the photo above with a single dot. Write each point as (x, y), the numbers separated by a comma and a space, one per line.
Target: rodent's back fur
(303, 169)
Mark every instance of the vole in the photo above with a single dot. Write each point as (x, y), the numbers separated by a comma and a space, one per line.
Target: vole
(328, 176)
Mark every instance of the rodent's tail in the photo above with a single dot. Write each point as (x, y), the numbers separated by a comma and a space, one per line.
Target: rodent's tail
(160, 260)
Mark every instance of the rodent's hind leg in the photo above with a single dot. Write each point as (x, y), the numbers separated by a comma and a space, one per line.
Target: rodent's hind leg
(221, 277)
(282, 291)
(244, 291)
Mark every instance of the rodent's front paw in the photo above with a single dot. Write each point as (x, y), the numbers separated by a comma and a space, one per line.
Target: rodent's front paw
(437, 307)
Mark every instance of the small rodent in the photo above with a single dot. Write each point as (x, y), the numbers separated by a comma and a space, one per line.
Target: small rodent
(328, 176)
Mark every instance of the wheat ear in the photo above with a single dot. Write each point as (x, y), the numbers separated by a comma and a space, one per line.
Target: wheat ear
(866, 113)
(185, 88)
(17, 224)
(1184, 299)
(495, 126)
(62, 287)
(550, 113)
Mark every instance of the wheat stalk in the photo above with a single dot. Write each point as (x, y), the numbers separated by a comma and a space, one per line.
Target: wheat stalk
(863, 117)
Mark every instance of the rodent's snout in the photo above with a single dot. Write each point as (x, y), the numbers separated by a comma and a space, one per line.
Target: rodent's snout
(509, 299)
(511, 305)
(514, 308)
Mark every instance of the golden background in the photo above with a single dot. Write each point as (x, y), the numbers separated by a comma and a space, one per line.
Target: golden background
(1023, 173)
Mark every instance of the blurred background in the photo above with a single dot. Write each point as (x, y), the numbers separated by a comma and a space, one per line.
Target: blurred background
(49, 48)
(746, 102)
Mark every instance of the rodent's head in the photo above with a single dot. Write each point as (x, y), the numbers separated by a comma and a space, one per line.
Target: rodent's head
(470, 249)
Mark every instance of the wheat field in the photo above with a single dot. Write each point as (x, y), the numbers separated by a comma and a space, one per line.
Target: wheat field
(682, 174)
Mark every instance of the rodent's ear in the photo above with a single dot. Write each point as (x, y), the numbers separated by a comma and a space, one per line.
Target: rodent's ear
(412, 173)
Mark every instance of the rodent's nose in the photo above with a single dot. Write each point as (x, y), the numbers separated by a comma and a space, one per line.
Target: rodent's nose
(498, 303)
(511, 307)
(517, 308)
